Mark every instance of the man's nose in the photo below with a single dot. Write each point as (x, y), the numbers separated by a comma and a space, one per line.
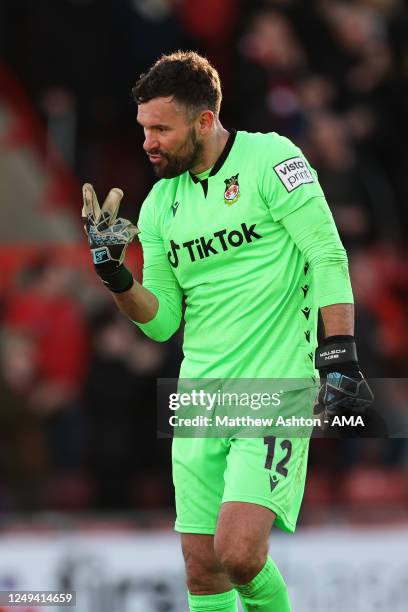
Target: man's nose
(150, 143)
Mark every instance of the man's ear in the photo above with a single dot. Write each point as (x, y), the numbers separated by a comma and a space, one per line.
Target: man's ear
(206, 121)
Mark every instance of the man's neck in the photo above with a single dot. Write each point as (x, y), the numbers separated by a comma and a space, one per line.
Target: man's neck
(212, 150)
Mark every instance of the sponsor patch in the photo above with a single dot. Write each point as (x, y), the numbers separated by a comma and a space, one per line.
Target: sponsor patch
(221, 241)
(293, 172)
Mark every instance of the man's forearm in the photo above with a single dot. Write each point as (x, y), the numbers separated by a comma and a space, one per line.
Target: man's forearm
(338, 320)
(138, 303)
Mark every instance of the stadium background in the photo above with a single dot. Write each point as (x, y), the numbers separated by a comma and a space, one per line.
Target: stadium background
(85, 487)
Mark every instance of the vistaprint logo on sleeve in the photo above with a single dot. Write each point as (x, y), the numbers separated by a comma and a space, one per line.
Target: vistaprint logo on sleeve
(201, 247)
(293, 172)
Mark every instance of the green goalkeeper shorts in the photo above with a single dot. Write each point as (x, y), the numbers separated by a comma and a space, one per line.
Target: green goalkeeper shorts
(207, 472)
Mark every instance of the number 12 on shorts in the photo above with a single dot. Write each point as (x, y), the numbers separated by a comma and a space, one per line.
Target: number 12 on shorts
(286, 446)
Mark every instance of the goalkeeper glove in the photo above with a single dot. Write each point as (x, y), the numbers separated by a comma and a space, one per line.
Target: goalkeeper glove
(108, 237)
(344, 390)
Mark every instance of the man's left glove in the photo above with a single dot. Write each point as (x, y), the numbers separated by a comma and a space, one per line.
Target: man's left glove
(344, 390)
(108, 237)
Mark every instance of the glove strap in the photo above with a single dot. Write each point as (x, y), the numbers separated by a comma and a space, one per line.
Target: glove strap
(335, 352)
(119, 281)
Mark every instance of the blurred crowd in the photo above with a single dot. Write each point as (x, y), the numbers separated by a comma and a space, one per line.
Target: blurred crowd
(77, 381)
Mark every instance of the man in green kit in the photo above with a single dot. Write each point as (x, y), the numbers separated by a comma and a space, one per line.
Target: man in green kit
(238, 226)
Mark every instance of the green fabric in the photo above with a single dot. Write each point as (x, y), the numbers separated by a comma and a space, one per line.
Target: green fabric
(167, 319)
(222, 602)
(161, 281)
(233, 253)
(204, 174)
(267, 592)
(210, 471)
(313, 230)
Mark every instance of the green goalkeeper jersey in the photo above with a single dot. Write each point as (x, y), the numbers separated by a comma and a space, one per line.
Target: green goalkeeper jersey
(252, 247)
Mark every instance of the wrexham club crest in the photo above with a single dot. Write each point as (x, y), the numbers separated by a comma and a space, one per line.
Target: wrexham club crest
(231, 193)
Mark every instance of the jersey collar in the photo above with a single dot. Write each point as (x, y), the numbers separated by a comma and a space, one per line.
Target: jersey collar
(220, 161)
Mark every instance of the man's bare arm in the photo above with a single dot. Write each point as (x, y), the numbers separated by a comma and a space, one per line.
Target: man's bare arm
(138, 303)
(338, 320)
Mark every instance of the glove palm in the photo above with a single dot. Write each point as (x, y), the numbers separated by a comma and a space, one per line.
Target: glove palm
(340, 394)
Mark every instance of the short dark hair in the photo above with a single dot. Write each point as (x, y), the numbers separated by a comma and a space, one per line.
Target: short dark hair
(187, 76)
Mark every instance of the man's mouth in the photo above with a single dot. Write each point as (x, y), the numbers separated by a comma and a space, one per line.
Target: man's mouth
(155, 158)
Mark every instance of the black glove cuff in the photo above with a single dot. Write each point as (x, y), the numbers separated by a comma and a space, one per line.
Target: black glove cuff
(337, 354)
(119, 281)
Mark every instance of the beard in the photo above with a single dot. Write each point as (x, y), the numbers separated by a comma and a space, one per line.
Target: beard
(176, 164)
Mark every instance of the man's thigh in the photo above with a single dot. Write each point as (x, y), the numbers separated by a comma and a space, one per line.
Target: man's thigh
(269, 472)
(198, 475)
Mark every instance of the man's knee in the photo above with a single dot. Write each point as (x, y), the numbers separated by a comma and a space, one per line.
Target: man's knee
(241, 540)
(203, 570)
(240, 561)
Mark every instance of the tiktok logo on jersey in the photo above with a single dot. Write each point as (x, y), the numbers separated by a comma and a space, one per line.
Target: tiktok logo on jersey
(200, 248)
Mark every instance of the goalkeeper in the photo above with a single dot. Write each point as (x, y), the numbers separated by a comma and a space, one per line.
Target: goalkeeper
(238, 227)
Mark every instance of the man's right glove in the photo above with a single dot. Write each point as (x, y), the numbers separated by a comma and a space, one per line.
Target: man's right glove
(108, 237)
(344, 390)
